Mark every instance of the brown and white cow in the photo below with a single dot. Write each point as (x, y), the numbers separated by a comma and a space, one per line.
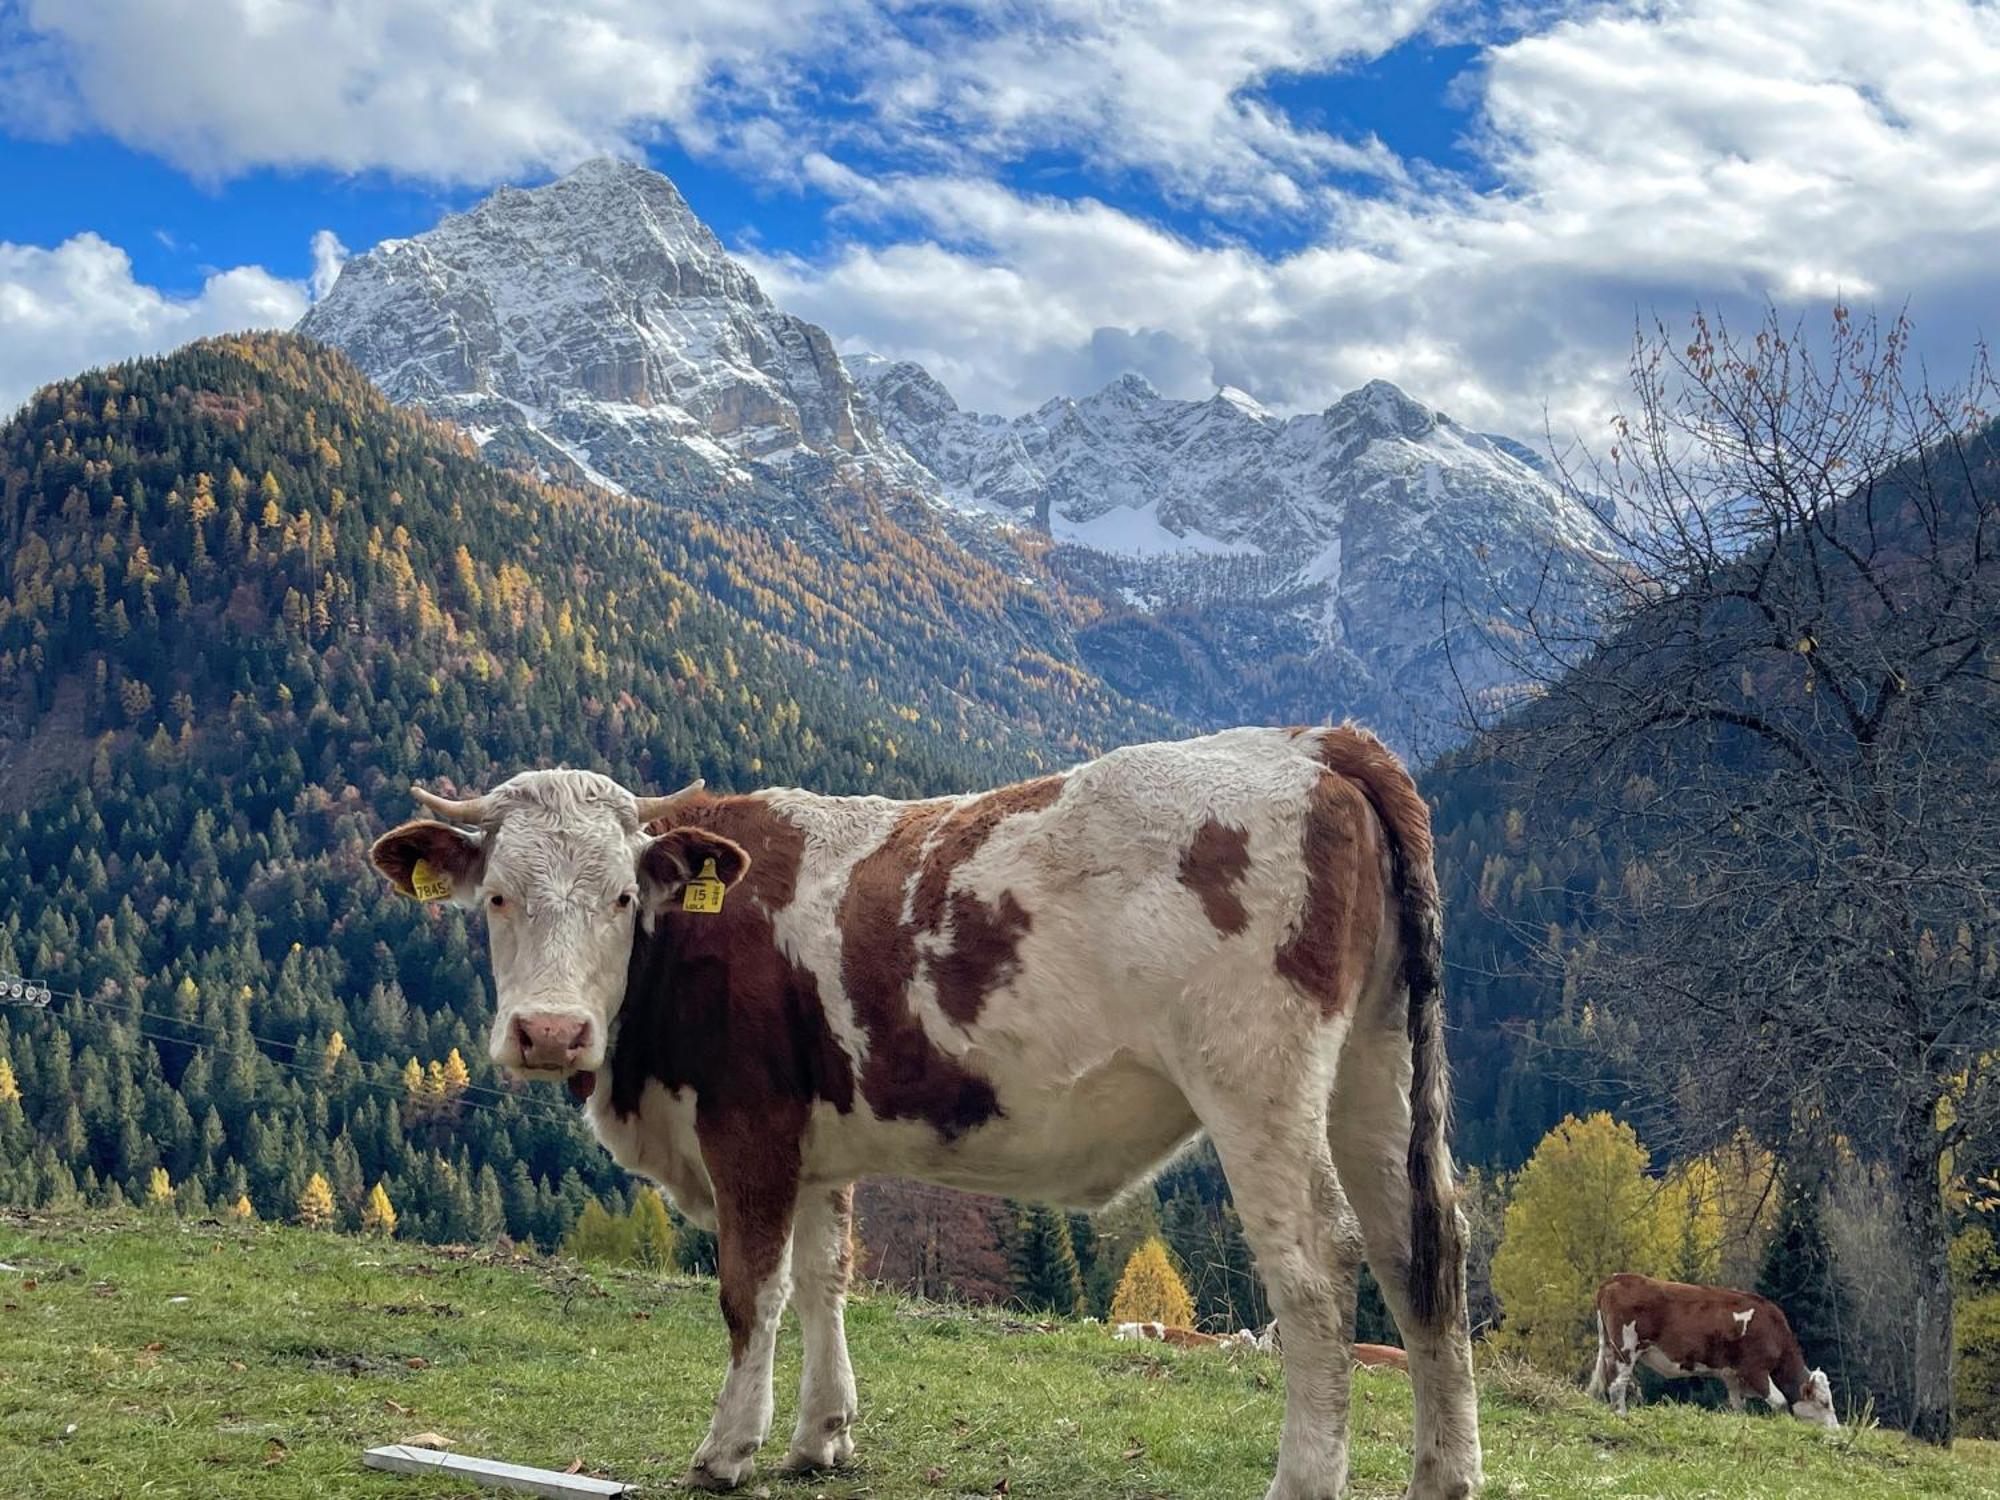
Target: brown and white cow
(1676, 1330)
(1043, 991)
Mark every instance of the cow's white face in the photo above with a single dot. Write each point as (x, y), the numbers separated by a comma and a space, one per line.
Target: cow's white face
(1816, 1404)
(562, 872)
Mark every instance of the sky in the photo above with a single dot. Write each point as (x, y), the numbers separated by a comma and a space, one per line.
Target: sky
(1476, 199)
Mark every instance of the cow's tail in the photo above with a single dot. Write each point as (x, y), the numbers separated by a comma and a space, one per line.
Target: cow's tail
(1436, 1276)
(1600, 1372)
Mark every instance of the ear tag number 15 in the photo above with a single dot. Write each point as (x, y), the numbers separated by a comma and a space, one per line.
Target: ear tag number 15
(704, 892)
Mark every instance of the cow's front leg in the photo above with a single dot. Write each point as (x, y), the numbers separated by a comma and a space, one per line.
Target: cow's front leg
(753, 1206)
(822, 1258)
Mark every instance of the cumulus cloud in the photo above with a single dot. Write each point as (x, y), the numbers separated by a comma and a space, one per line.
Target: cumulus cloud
(1633, 156)
(77, 305)
(1725, 151)
(329, 255)
(429, 89)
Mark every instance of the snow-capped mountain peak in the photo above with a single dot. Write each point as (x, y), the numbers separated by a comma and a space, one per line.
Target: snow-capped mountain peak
(598, 318)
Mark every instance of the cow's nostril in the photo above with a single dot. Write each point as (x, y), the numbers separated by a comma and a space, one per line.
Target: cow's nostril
(551, 1041)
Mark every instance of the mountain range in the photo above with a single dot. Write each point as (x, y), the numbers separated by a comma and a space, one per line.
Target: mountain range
(1212, 559)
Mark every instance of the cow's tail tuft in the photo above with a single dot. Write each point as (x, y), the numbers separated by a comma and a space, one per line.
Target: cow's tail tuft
(1436, 1276)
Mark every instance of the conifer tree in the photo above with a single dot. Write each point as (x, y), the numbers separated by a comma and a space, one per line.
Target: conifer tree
(1046, 1277)
(1799, 1275)
(241, 1209)
(10, 1091)
(1583, 1210)
(1151, 1290)
(597, 1236)
(316, 1203)
(413, 1088)
(379, 1216)
(159, 1191)
(336, 1048)
(456, 1077)
(652, 1232)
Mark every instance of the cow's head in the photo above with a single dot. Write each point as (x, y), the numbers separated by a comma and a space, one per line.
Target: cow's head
(561, 866)
(1815, 1403)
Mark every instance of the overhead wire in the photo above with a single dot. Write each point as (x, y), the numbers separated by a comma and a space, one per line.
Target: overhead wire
(215, 1038)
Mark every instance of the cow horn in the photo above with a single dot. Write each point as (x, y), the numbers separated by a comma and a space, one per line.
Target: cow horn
(652, 809)
(470, 810)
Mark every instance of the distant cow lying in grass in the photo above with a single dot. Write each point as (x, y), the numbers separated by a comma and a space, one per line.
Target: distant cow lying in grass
(1043, 991)
(1678, 1330)
(1185, 1338)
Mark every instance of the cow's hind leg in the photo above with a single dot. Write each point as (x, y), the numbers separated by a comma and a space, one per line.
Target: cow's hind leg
(1370, 1139)
(1299, 1226)
(753, 1206)
(822, 1252)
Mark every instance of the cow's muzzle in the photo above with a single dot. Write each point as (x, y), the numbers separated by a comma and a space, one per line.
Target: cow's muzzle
(551, 1043)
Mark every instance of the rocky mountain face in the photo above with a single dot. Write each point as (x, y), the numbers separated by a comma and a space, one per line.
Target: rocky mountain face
(598, 317)
(1261, 557)
(1213, 559)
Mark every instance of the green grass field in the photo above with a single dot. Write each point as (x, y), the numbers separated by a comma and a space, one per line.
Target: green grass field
(145, 1357)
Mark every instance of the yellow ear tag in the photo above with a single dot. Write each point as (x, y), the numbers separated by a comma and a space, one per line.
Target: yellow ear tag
(704, 892)
(427, 883)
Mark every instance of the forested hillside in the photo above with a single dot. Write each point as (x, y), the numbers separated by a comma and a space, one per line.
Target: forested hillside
(244, 603)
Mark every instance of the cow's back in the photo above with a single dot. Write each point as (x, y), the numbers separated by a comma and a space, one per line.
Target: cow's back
(1708, 1327)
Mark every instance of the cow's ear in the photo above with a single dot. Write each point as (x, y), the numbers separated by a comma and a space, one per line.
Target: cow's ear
(430, 861)
(668, 863)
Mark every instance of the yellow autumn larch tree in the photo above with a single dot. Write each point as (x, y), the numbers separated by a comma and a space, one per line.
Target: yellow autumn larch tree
(1583, 1210)
(378, 1215)
(457, 1078)
(1151, 1290)
(316, 1203)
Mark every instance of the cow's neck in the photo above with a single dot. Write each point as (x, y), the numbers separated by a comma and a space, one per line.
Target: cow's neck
(1789, 1375)
(702, 990)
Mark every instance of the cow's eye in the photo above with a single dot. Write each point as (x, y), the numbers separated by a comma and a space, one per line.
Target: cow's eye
(497, 901)
(624, 900)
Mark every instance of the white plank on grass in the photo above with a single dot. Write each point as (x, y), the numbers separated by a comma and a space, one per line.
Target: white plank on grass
(397, 1458)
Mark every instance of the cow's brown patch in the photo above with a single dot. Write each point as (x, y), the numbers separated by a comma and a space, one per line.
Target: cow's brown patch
(1213, 866)
(1327, 955)
(905, 1075)
(964, 833)
(713, 1005)
(1365, 760)
(984, 953)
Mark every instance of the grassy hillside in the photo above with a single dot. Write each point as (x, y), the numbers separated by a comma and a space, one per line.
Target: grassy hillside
(292, 1351)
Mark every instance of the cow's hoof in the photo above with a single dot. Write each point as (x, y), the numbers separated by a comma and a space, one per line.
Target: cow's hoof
(834, 1453)
(715, 1473)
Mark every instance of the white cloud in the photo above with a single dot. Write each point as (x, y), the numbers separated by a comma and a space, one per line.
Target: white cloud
(1650, 156)
(1638, 155)
(440, 90)
(77, 305)
(428, 88)
(1168, 87)
(329, 255)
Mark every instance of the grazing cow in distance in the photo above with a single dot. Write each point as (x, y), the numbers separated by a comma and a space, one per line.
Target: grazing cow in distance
(1044, 991)
(1678, 1330)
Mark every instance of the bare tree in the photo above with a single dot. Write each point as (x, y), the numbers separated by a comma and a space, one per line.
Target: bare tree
(1785, 719)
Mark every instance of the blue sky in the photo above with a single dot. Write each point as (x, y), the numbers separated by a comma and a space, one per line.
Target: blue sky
(1475, 200)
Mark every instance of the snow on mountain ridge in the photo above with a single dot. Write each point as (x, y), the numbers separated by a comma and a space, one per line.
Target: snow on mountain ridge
(598, 314)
